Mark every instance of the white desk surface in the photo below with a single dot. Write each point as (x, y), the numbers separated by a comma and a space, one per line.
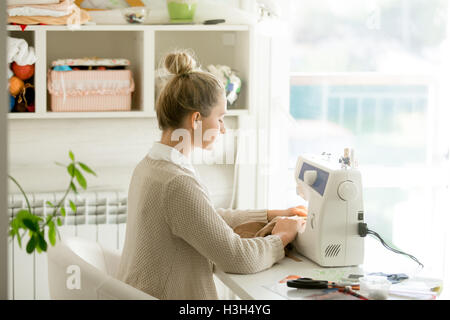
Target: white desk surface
(251, 286)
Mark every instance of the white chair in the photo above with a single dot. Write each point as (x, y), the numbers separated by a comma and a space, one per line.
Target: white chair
(82, 269)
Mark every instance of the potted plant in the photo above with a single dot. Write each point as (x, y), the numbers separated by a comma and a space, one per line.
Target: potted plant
(26, 221)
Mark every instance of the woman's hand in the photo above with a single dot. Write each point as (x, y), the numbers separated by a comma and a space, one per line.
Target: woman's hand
(287, 228)
(294, 211)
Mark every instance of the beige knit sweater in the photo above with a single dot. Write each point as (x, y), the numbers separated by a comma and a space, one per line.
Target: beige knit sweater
(175, 236)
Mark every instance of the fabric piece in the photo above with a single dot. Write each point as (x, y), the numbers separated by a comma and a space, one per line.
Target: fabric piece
(28, 11)
(18, 51)
(253, 229)
(59, 5)
(175, 237)
(77, 17)
(393, 278)
(91, 62)
(30, 2)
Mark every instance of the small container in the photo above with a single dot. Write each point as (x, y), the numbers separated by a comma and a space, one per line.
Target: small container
(92, 90)
(375, 287)
(135, 15)
(181, 10)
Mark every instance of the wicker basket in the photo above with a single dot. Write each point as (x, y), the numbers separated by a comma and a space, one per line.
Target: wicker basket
(90, 90)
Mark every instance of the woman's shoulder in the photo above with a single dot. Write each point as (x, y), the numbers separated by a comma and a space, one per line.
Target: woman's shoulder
(161, 167)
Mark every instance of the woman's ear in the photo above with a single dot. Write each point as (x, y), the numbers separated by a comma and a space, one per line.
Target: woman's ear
(195, 118)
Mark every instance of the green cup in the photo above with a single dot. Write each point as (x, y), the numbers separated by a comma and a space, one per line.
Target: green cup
(181, 10)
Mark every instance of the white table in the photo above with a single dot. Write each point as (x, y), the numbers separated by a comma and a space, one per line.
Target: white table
(252, 286)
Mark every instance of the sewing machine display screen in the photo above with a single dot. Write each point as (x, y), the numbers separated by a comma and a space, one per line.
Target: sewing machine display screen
(321, 180)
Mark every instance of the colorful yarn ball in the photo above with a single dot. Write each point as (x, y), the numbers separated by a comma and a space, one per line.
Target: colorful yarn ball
(16, 85)
(23, 72)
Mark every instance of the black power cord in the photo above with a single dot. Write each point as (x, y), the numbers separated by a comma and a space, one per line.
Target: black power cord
(363, 230)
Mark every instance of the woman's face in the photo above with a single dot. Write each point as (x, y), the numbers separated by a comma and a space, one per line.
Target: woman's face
(213, 125)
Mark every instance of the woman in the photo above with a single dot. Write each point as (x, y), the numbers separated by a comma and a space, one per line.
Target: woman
(174, 234)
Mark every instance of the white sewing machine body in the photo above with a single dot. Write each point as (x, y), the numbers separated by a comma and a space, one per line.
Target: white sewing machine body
(335, 208)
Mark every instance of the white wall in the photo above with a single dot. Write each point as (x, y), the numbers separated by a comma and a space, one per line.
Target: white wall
(111, 147)
(3, 148)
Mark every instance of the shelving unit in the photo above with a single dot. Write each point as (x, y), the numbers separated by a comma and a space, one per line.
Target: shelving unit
(144, 46)
(112, 142)
(105, 115)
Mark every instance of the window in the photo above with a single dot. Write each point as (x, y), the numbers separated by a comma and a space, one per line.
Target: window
(371, 75)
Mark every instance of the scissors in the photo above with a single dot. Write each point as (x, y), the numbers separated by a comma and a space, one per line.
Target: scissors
(308, 283)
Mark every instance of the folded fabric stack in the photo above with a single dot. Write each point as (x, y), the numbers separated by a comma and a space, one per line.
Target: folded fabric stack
(50, 12)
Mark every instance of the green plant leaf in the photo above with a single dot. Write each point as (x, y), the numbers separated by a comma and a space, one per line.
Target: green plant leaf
(71, 169)
(22, 214)
(15, 225)
(51, 233)
(41, 241)
(30, 224)
(58, 222)
(38, 249)
(19, 239)
(73, 206)
(72, 157)
(73, 187)
(50, 204)
(63, 211)
(86, 168)
(15, 230)
(81, 180)
(31, 245)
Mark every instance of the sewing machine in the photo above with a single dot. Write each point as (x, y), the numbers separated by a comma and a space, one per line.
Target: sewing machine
(335, 207)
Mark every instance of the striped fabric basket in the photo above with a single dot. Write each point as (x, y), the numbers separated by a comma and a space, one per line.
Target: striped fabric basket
(90, 90)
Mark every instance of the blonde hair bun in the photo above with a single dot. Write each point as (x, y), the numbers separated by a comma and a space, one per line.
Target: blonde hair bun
(179, 63)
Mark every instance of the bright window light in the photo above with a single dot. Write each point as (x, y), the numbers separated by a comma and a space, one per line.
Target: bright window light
(373, 75)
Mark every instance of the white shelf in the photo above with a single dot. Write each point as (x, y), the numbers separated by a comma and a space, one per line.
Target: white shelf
(79, 115)
(144, 46)
(129, 27)
(98, 115)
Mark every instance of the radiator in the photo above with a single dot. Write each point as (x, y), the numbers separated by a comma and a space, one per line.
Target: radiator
(100, 216)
